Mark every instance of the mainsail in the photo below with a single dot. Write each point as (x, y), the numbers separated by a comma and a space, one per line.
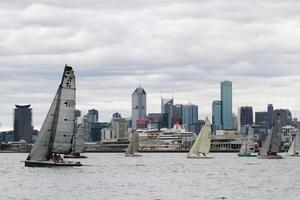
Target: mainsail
(272, 143)
(133, 144)
(57, 130)
(203, 140)
(295, 146)
(248, 144)
(78, 140)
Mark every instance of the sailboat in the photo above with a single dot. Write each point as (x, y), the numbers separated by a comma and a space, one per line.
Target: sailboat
(77, 144)
(56, 133)
(248, 147)
(201, 146)
(133, 146)
(294, 149)
(271, 146)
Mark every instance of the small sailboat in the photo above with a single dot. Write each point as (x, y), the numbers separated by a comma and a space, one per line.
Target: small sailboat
(56, 133)
(271, 146)
(294, 149)
(201, 146)
(78, 144)
(248, 147)
(133, 146)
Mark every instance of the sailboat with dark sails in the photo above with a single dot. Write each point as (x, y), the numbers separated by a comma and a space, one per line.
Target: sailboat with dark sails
(56, 133)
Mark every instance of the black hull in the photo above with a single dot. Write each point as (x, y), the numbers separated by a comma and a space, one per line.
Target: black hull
(74, 157)
(29, 163)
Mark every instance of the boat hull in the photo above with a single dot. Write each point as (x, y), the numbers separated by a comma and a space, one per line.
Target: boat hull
(269, 157)
(133, 155)
(30, 163)
(74, 156)
(201, 156)
(246, 155)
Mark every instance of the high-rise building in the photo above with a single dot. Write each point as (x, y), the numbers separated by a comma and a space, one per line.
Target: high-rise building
(217, 115)
(119, 127)
(157, 120)
(176, 114)
(139, 106)
(284, 115)
(23, 123)
(261, 118)
(77, 113)
(270, 115)
(189, 114)
(166, 107)
(226, 98)
(234, 122)
(95, 130)
(87, 120)
(245, 116)
(93, 115)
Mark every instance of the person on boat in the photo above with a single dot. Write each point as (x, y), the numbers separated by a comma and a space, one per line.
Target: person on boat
(203, 154)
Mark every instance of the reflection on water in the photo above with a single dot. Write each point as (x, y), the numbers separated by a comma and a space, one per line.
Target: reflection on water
(153, 176)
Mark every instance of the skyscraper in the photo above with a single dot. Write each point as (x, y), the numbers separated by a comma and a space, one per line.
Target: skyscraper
(246, 116)
(166, 107)
(284, 115)
(189, 114)
(177, 114)
(217, 115)
(226, 98)
(93, 115)
(270, 115)
(261, 118)
(138, 106)
(23, 123)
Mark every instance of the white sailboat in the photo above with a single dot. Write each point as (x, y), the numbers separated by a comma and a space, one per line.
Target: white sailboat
(248, 147)
(133, 146)
(56, 134)
(271, 146)
(201, 146)
(294, 149)
(77, 144)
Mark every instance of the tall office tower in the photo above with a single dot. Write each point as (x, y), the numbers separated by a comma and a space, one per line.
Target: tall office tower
(23, 123)
(245, 116)
(189, 114)
(284, 115)
(77, 113)
(270, 115)
(217, 115)
(93, 115)
(261, 118)
(176, 114)
(119, 127)
(226, 98)
(139, 106)
(166, 107)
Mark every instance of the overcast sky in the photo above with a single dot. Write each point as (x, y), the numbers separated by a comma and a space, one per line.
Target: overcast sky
(183, 47)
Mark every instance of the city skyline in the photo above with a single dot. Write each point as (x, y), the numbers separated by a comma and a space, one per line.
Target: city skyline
(186, 48)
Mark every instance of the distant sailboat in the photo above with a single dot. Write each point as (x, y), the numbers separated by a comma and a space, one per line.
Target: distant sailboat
(271, 146)
(77, 144)
(201, 146)
(56, 134)
(133, 146)
(248, 147)
(294, 149)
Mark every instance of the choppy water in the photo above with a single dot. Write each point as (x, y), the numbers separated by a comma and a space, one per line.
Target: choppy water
(153, 177)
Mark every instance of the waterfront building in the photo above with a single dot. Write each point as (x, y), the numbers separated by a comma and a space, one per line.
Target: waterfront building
(139, 106)
(284, 115)
(216, 115)
(270, 115)
(166, 107)
(23, 123)
(119, 127)
(288, 133)
(245, 116)
(189, 114)
(95, 130)
(157, 120)
(93, 115)
(234, 122)
(176, 114)
(226, 98)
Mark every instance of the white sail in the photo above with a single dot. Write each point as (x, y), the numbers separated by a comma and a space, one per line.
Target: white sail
(297, 144)
(78, 141)
(203, 141)
(133, 144)
(66, 114)
(54, 135)
(291, 151)
(273, 141)
(248, 144)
